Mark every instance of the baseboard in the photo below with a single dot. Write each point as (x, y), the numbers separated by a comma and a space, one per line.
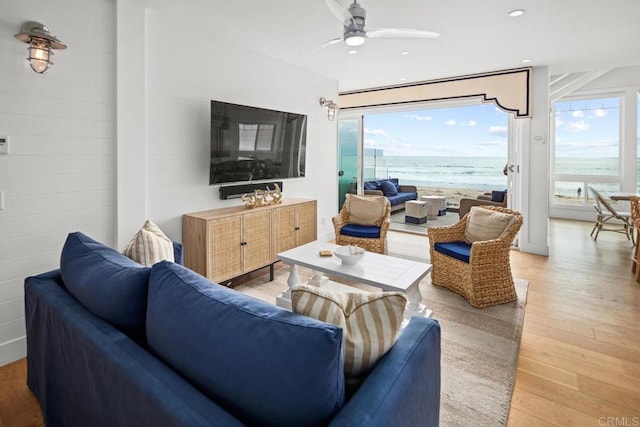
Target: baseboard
(534, 249)
(13, 350)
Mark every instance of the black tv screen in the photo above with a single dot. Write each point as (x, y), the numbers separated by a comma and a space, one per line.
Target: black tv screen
(251, 144)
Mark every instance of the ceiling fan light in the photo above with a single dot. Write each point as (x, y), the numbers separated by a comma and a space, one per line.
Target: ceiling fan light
(354, 40)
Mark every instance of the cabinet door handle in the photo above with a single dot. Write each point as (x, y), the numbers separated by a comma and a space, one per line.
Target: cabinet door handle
(297, 228)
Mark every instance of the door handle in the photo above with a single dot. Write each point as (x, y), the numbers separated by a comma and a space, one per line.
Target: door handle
(512, 168)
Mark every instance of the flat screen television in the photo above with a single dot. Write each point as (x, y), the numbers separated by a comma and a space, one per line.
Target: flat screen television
(251, 144)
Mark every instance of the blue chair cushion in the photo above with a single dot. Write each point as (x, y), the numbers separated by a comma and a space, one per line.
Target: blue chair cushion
(272, 367)
(107, 283)
(388, 188)
(457, 250)
(498, 196)
(366, 231)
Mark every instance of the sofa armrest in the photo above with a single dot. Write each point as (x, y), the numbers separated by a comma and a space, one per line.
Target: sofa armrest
(407, 188)
(404, 387)
(178, 253)
(373, 193)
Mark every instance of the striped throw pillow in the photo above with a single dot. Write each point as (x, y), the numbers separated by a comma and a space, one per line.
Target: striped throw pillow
(149, 245)
(369, 321)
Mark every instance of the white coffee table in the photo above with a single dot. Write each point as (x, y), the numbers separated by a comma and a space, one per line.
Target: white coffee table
(381, 271)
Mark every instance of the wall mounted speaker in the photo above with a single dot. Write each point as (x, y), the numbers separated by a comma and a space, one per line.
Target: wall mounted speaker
(236, 191)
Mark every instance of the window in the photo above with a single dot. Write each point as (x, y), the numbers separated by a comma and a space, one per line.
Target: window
(587, 148)
(256, 137)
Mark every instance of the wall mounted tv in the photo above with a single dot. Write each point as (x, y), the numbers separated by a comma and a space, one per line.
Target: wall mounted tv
(250, 144)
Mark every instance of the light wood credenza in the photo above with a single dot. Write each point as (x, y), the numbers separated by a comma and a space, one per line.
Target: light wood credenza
(221, 244)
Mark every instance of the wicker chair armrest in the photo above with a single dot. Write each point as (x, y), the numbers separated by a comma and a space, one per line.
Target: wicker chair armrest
(451, 233)
(373, 193)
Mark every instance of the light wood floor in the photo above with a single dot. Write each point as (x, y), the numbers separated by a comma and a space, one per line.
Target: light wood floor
(579, 361)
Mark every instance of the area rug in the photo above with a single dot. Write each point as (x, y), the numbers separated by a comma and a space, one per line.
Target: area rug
(479, 349)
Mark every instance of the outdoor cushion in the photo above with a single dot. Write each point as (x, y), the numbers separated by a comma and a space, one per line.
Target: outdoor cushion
(388, 188)
(272, 367)
(485, 224)
(371, 185)
(498, 196)
(106, 282)
(401, 198)
(457, 250)
(366, 231)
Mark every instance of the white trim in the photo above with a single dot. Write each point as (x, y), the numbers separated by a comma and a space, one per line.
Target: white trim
(13, 350)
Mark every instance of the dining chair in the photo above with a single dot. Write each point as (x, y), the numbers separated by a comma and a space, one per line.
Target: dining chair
(607, 215)
(635, 220)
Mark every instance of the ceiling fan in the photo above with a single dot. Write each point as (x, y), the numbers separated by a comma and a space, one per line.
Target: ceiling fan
(355, 32)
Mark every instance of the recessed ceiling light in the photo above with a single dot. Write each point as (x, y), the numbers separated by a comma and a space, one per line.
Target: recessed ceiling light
(525, 61)
(353, 51)
(402, 79)
(517, 12)
(404, 52)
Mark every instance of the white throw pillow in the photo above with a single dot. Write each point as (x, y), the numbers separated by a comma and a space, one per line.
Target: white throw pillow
(366, 210)
(485, 224)
(369, 321)
(149, 246)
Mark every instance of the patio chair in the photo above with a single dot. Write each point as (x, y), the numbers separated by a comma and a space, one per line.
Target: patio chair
(363, 221)
(472, 257)
(606, 213)
(495, 198)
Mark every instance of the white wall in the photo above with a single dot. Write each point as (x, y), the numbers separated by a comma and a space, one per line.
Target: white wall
(185, 71)
(80, 133)
(59, 175)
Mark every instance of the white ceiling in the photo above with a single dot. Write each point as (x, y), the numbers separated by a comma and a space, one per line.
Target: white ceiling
(476, 35)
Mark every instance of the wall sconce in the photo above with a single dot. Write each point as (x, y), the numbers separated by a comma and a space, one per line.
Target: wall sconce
(330, 106)
(41, 41)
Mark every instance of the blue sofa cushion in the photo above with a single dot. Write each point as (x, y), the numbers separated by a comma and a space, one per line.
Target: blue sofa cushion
(366, 231)
(371, 185)
(498, 196)
(265, 365)
(106, 282)
(388, 188)
(457, 250)
(401, 198)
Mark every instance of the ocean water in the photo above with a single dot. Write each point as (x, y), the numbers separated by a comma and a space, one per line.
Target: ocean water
(481, 173)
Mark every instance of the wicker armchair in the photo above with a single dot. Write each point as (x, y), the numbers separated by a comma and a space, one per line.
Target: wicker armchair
(485, 279)
(372, 237)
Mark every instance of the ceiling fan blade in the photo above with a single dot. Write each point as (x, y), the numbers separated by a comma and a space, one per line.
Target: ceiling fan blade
(339, 10)
(400, 33)
(325, 44)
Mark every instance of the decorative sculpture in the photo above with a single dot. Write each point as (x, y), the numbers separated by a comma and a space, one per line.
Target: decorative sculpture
(263, 197)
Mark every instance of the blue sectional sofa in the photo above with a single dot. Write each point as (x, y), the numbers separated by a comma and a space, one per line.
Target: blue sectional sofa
(113, 343)
(392, 190)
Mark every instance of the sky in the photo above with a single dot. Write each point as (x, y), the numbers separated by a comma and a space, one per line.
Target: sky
(584, 128)
(478, 130)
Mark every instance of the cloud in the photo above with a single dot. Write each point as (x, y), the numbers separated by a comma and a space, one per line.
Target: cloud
(578, 114)
(599, 113)
(470, 123)
(578, 126)
(450, 122)
(419, 117)
(498, 130)
(376, 132)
